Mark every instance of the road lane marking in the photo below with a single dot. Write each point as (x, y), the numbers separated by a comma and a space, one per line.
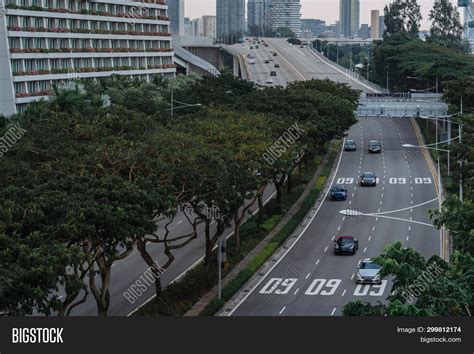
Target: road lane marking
(317, 262)
(370, 237)
(296, 292)
(352, 276)
(308, 276)
(326, 249)
(179, 222)
(344, 292)
(283, 309)
(332, 313)
(365, 249)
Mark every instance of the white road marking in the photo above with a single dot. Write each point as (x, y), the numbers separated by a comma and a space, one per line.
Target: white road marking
(326, 249)
(409, 227)
(358, 263)
(308, 276)
(332, 239)
(296, 292)
(339, 228)
(334, 310)
(352, 276)
(373, 228)
(283, 309)
(365, 249)
(408, 237)
(350, 201)
(344, 292)
(370, 237)
(179, 222)
(317, 262)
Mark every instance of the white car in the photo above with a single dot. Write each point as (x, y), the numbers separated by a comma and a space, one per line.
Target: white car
(369, 272)
(269, 81)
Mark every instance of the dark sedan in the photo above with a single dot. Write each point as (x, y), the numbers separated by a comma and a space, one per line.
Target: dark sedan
(338, 193)
(350, 145)
(346, 245)
(368, 179)
(375, 147)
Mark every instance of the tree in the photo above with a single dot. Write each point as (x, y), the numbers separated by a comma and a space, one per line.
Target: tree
(446, 27)
(402, 16)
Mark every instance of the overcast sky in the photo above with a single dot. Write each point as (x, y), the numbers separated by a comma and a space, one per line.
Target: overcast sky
(327, 10)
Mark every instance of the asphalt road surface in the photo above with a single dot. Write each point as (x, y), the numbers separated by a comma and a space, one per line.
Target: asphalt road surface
(311, 258)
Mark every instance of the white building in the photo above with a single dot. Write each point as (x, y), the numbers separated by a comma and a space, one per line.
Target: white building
(209, 26)
(286, 13)
(46, 42)
(375, 24)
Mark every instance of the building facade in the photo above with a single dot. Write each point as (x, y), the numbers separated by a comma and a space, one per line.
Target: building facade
(381, 26)
(230, 17)
(364, 31)
(469, 24)
(54, 42)
(285, 13)
(349, 17)
(374, 24)
(176, 15)
(209, 24)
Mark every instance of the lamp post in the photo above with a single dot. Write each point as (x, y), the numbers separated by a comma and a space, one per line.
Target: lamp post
(183, 104)
(421, 79)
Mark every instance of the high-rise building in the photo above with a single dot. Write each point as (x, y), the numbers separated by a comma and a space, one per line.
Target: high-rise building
(209, 26)
(196, 27)
(469, 24)
(313, 27)
(188, 30)
(349, 17)
(286, 13)
(374, 24)
(364, 31)
(176, 15)
(381, 25)
(46, 43)
(258, 12)
(230, 17)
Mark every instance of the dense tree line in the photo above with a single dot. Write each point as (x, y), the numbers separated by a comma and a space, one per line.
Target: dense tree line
(100, 165)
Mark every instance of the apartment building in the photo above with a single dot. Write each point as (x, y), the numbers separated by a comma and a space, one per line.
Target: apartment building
(48, 42)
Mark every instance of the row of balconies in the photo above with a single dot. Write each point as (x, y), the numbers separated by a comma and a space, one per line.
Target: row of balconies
(83, 30)
(133, 14)
(88, 50)
(91, 69)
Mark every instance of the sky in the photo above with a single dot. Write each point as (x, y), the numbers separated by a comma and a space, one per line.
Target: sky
(327, 10)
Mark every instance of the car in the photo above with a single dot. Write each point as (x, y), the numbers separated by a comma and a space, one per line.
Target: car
(257, 46)
(301, 46)
(350, 145)
(267, 61)
(368, 179)
(271, 50)
(369, 272)
(374, 147)
(251, 47)
(277, 65)
(275, 54)
(269, 81)
(346, 245)
(338, 192)
(266, 45)
(273, 73)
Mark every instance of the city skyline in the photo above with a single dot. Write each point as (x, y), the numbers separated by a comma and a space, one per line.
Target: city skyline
(327, 10)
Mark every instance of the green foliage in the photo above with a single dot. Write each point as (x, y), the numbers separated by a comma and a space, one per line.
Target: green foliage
(269, 224)
(402, 16)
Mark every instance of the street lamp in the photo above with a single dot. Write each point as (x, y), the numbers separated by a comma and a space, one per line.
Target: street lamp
(421, 79)
(183, 104)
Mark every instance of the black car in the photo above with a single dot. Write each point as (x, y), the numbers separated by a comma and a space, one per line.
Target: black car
(368, 179)
(346, 245)
(350, 145)
(375, 147)
(273, 73)
(267, 61)
(275, 54)
(338, 193)
(277, 65)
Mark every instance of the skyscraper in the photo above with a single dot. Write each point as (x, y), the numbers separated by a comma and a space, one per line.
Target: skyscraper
(230, 17)
(286, 13)
(349, 17)
(381, 25)
(176, 15)
(209, 26)
(374, 24)
(257, 15)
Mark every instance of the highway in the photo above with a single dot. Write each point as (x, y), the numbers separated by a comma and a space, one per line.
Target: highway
(311, 258)
(309, 280)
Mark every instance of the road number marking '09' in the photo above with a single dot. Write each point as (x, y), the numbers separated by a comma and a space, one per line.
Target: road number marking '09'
(316, 287)
(343, 180)
(400, 180)
(274, 283)
(424, 180)
(363, 289)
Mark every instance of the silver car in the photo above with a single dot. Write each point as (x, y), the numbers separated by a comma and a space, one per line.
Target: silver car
(369, 272)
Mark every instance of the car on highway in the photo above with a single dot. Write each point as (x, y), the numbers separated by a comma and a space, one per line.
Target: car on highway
(266, 45)
(257, 46)
(251, 47)
(338, 192)
(273, 73)
(269, 81)
(271, 50)
(346, 245)
(368, 273)
(368, 179)
(350, 145)
(275, 54)
(277, 65)
(267, 61)
(374, 147)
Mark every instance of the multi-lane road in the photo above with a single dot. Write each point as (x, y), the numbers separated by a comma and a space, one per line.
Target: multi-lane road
(309, 279)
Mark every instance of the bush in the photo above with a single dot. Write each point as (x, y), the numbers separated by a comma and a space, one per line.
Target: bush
(269, 224)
